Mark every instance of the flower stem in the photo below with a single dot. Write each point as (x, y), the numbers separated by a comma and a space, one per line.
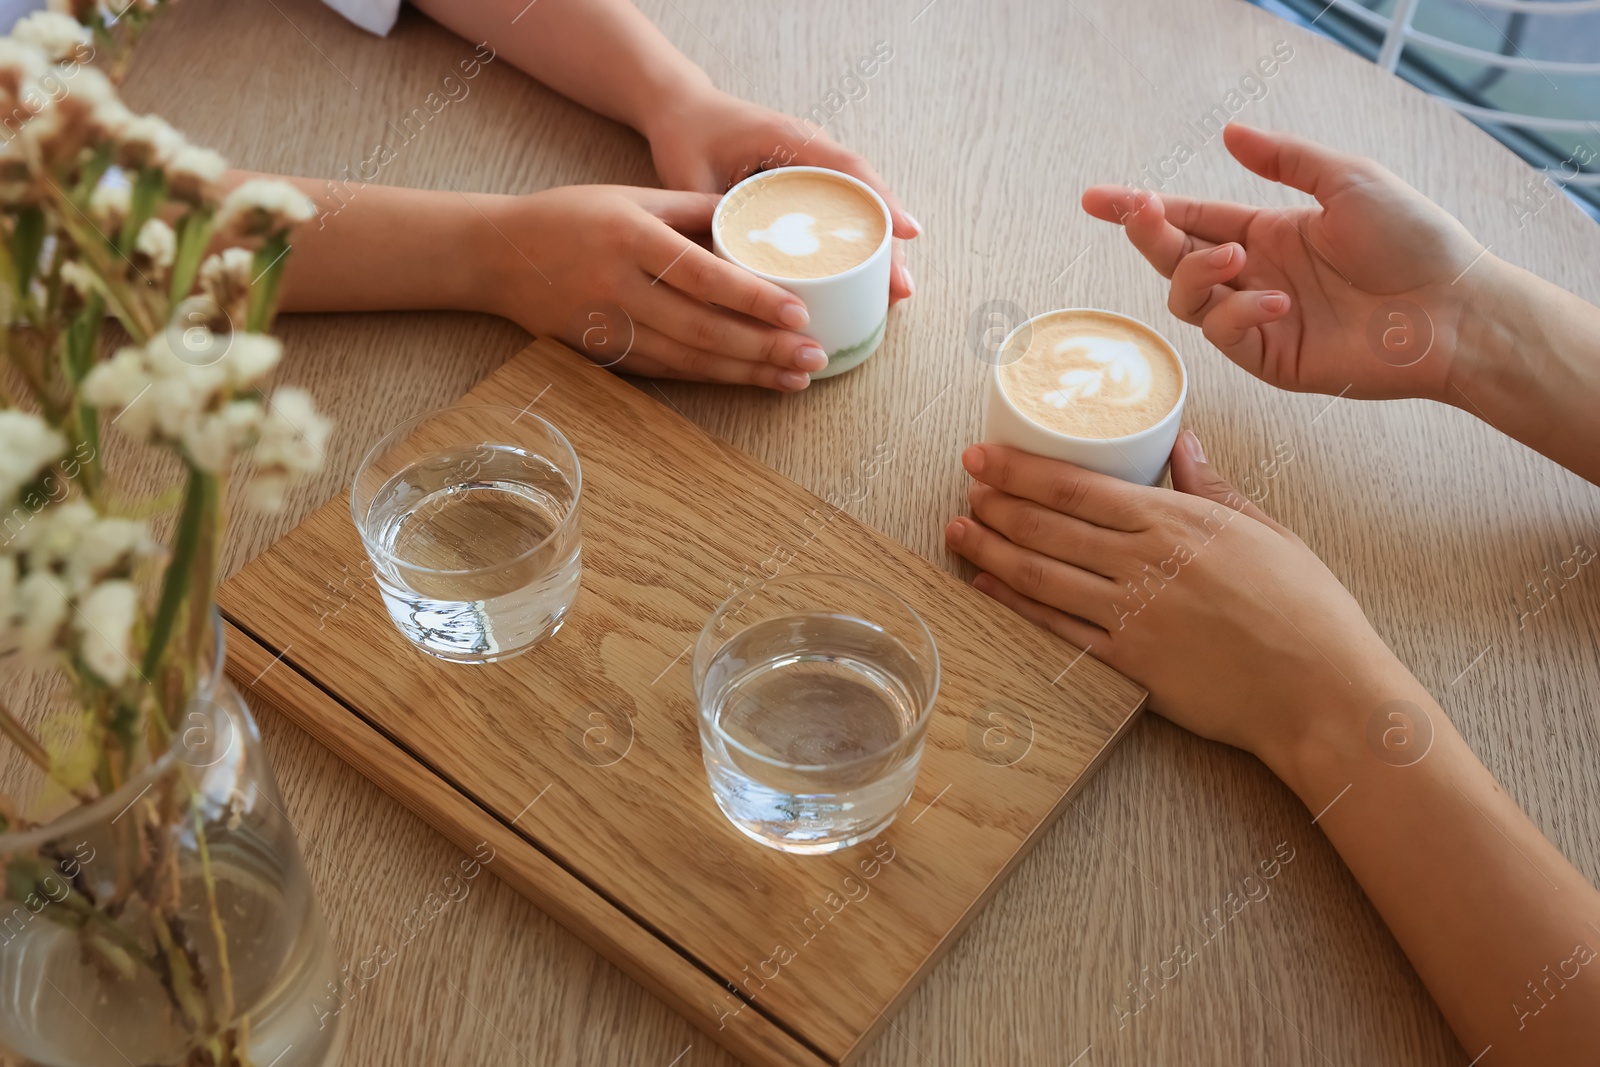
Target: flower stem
(199, 506)
(35, 752)
(225, 973)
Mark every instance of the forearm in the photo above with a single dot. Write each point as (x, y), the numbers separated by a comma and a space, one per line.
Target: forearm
(1503, 930)
(384, 248)
(1530, 365)
(605, 54)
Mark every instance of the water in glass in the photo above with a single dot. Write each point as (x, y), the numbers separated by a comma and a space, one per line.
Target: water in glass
(811, 726)
(475, 559)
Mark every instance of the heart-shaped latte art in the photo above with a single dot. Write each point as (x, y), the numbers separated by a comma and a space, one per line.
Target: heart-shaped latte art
(1118, 373)
(790, 234)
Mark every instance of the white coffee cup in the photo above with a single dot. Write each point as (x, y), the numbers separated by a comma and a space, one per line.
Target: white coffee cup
(1137, 457)
(849, 310)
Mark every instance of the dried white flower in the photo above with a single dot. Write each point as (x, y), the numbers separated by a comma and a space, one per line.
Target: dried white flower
(109, 204)
(91, 84)
(263, 206)
(104, 623)
(20, 64)
(157, 243)
(268, 490)
(42, 608)
(28, 444)
(78, 278)
(118, 381)
(58, 36)
(213, 440)
(183, 395)
(225, 277)
(106, 549)
(251, 357)
(294, 438)
(64, 124)
(51, 539)
(148, 141)
(180, 399)
(111, 117)
(194, 172)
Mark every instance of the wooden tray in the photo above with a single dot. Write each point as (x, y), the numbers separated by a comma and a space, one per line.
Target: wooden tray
(579, 762)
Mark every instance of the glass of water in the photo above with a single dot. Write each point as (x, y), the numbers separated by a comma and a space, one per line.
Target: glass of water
(470, 518)
(814, 694)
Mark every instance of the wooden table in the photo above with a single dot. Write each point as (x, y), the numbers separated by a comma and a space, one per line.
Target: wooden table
(989, 120)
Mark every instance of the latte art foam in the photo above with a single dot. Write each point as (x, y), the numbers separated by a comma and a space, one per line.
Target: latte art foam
(801, 225)
(1088, 374)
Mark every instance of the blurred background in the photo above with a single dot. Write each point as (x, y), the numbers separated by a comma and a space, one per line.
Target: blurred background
(1527, 71)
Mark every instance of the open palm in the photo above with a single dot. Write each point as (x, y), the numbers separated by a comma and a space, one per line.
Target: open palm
(1359, 295)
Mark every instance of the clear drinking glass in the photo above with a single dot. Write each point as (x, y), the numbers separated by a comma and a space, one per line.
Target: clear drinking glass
(470, 518)
(814, 694)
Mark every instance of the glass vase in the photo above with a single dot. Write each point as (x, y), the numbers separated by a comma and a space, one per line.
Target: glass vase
(170, 921)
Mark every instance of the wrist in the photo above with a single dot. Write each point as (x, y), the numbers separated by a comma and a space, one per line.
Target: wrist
(484, 256)
(664, 97)
(1382, 715)
(1491, 338)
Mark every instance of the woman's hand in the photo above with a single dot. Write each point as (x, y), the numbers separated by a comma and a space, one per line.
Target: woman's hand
(1236, 628)
(1362, 294)
(564, 262)
(706, 141)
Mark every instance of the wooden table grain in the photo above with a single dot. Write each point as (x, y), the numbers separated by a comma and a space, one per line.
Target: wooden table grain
(988, 119)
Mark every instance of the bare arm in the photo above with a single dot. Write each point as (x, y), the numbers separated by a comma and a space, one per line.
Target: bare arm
(1534, 371)
(609, 57)
(1253, 642)
(605, 54)
(1501, 928)
(552, 262)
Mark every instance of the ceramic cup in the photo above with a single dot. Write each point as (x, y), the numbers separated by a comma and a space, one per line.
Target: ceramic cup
(850, 310)
(1138, 457)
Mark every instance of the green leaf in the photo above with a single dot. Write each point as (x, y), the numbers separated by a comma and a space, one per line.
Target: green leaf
(149, 192)
(26, 241)
(89, 433)
(198, 501)
(267, 266)
(93, 169)
(82, 333)
(124, 725)
(194, 234)
(8, 271)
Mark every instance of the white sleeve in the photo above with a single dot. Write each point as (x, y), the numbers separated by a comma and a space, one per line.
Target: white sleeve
(374, 16)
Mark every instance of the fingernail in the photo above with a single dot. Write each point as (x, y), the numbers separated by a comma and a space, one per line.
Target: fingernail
(793, 380)
(916, 227)
(794, 316)
(905, 279)
(1192, 443)
(1274, 302)
(1222, 256)
(956, 529)
(983, 583)
(973, 459)
(810, 358)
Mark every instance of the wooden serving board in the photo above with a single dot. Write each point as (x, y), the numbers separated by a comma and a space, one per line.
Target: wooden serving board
(579, 762)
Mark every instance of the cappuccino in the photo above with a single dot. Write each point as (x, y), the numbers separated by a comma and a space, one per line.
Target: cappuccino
(824, 236)
(800, 224)
(1090, 374)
